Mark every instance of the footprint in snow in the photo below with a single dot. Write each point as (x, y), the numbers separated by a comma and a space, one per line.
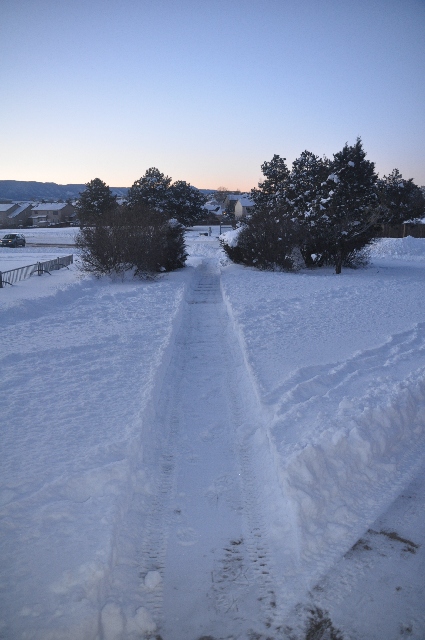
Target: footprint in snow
(187, 537)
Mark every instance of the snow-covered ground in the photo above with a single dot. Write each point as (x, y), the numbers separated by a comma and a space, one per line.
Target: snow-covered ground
(41, 245)
(222, 452)
(49, 235)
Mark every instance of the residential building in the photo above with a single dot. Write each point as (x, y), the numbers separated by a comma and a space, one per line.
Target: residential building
(52, 213)
(243, 206)
(19, 216)
(5, 211)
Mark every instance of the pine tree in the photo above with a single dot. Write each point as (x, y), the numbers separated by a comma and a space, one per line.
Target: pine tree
(272, 191)
(400, 199)
(95, 202)
(176, 254)
(350, 208)
(185, 203)
(150, 190)
(306, 191)
(268, 239)
(156, 243)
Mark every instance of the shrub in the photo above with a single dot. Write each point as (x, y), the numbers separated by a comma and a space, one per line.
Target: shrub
(268, 240)
(136, 239)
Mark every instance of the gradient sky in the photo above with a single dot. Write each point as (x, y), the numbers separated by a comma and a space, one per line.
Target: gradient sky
(207, 90)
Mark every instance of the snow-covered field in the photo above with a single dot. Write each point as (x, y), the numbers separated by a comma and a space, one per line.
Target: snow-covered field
(223, 452)
(50, 235)
(41, 245)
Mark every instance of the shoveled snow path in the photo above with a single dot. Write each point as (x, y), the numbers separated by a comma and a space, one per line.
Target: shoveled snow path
(204, 565)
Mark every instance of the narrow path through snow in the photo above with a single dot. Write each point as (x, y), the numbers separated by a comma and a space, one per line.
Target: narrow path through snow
(203, 566)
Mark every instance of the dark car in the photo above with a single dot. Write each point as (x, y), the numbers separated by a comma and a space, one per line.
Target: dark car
(13, 240)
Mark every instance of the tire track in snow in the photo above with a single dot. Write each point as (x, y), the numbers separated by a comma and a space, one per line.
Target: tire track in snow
(154, 546)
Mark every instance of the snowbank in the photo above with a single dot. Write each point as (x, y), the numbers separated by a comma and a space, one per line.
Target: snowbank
(230, 238)
(398, 248)
(342, 385)
(79, 366)
(358, 458)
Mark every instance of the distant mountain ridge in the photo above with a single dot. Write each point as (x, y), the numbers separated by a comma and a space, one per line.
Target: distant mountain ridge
(31, 190)
(50, 191)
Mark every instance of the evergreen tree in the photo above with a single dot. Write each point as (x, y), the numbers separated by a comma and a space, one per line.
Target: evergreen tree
(272, 190)
(400, 199)
(307, 188)
(176, 254)
(268, 239)
(156, 243)
(150, 190)
(325, 211)
(185, 203)
(136, 239)
(350, 208)
(95, 202)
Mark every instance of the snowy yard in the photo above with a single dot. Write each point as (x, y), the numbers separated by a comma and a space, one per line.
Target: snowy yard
(218, 453)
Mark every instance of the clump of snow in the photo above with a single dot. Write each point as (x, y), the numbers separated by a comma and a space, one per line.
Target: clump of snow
(231, 237)
(152, 580)
(144, 621)
(112, 622)
(334, 178)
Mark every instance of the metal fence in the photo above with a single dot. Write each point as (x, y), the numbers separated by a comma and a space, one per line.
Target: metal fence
(23, 273)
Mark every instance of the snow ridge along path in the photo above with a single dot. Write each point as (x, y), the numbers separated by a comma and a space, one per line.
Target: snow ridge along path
(203, 567)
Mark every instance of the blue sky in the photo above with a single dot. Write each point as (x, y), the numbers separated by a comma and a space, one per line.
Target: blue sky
(207, 90)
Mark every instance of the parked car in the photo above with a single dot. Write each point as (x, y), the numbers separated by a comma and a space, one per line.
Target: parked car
(13, 240)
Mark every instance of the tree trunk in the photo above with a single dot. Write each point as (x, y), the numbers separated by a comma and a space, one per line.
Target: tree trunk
(338, 261)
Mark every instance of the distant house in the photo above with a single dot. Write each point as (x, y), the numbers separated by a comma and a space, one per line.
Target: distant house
(38, 220)
(20, 215)
(243, 206)
(214, 207)
(230, 202)
(5, 211)
(52, 213)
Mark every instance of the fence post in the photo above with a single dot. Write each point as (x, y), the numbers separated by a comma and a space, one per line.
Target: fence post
(38, 269)
(1, 281)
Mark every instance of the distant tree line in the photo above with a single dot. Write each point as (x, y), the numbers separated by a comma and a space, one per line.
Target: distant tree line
(322, 212)
(144, 234)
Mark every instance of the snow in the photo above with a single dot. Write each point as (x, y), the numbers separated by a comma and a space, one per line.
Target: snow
(245, 201)
(50, 206)
(215, 453)
(334, 177)
(231, 237)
